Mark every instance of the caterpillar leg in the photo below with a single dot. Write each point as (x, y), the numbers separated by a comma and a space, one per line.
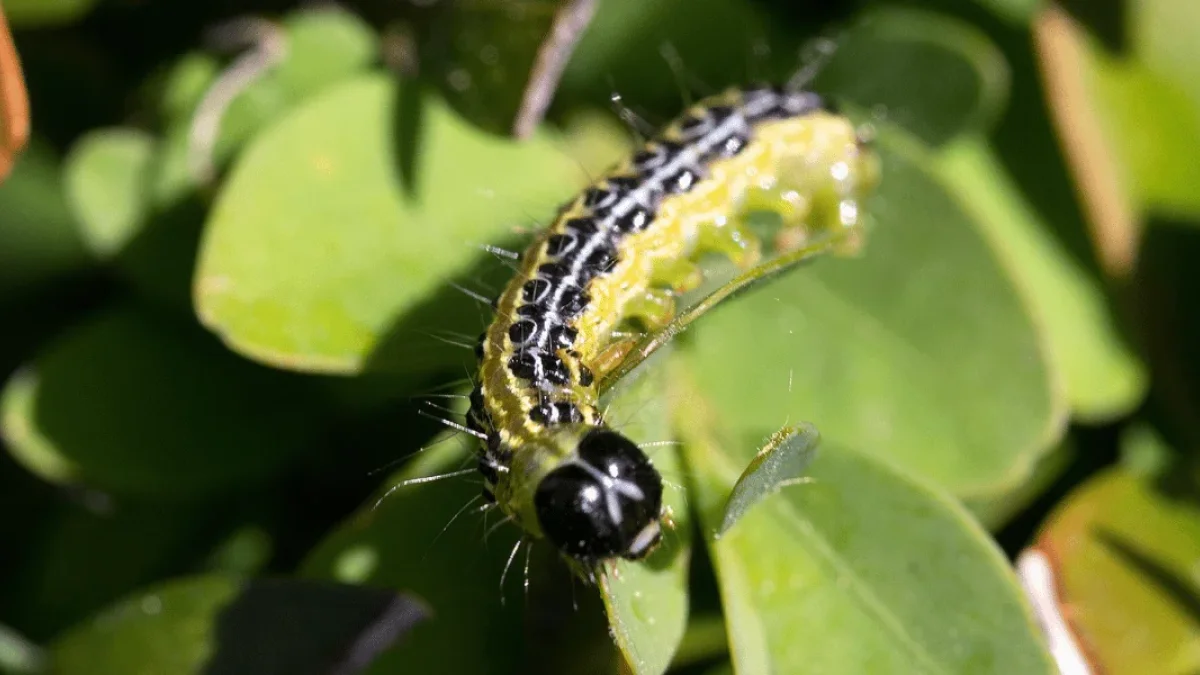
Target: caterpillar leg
(611, 356)
(654, 309)
(680, 275)
(733, 240)
(794, 211)
(841, 213)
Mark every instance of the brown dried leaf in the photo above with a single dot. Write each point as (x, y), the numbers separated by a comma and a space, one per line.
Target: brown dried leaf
(14, 102)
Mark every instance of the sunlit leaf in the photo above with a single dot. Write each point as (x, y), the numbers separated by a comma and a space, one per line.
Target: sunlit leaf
(107, 174)
(859, 570)
(278, 282)
(878, 355)
(1103, 377)
(780, 463)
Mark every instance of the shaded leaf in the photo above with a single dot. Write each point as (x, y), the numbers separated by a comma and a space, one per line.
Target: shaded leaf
(1163, 304)
(38, 235)
(220, 626)
(705, 640)
(498, 62)
(780, 463)
(91, 554)
(862, 570)
(140, 406)
(245, 552)
(106, 176)
(1119, 547)
(935, 76)
(334, 629)
(622, 51)
(1017, 11)
(1103, 377)
(31, 13)
(647, 601)
(426, 539)
(878, 355)
(278, 283)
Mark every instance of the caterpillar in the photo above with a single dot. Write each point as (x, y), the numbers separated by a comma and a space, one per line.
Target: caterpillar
(621, 253)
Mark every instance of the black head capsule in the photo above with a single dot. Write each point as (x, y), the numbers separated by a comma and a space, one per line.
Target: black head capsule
(604, 503)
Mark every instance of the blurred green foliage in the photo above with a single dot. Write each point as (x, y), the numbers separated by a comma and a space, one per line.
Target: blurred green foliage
(227, 269)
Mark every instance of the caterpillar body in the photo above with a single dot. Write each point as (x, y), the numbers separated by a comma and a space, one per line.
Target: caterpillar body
(619, 254)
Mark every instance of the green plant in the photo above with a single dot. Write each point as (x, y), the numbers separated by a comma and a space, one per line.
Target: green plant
(213, 336)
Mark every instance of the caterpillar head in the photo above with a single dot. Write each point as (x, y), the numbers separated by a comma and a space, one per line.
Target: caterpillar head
(603, 502)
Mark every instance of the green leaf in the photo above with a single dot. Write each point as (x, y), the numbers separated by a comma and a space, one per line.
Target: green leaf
(106, 176)
(182, 84)
(861, 570)
(920, 350)
(18, 656)
(1164, 38)
(87, 556)
(316, 257)
(622, 50)
(647, 601)
(37, 13)
(935, 76)
(1104, 378)
(316, 48)
(166, 629)
(426, 539)
(780, 463)
(1121, 546)
(219, 626)
(321, 48)
(140, 406)
(1015, 11)
(1147, 118)
(38, 236)
(1168, 319)
(325, 46)
(420, 537)
(995, 510)
(498, 61)
(245, 552)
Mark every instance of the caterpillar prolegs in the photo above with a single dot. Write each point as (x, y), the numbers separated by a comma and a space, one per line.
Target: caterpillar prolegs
(622, 252)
